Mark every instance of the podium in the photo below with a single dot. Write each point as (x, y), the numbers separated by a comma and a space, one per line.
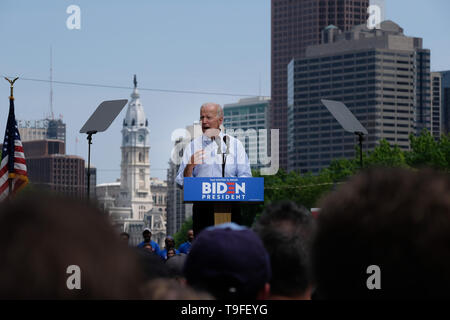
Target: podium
(223, 193)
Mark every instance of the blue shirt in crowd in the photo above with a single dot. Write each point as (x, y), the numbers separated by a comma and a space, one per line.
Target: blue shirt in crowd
(185, 247)
(154, 245)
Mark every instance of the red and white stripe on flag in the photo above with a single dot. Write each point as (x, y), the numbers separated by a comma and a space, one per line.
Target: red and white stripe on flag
(18, 175)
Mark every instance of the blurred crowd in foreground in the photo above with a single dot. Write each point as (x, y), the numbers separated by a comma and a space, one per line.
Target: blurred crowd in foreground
(384, 234)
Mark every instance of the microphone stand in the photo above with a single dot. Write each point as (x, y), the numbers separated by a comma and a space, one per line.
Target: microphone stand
(224, 155)
(222, 211)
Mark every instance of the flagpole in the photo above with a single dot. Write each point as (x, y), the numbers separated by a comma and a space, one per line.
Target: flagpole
(11, 97)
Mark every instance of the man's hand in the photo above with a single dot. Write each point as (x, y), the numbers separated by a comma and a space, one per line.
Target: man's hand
(196, 158)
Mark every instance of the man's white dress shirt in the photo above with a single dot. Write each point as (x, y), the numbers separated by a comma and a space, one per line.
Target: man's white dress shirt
(236, 164)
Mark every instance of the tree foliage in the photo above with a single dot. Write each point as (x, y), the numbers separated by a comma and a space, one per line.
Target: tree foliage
(427, 152)
(180, 236)
(308, 189)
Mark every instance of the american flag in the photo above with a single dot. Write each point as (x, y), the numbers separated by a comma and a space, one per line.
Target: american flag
(13, 166)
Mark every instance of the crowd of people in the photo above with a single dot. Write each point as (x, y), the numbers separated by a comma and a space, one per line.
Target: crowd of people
(393, 221)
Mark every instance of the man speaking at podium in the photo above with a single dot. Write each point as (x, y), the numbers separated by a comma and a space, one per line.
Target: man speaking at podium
(213, 154)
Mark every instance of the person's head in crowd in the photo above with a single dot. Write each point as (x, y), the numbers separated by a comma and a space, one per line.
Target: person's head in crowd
(125, 237)
(175, 265)
(169, 242)
(50, 246)
(230, 262)
(147, 235)
(286, 230)
(171, 252)
(171, 289)
(151, 264)
(185, 247)
(385, 234)
(190, 235)
(148, 247)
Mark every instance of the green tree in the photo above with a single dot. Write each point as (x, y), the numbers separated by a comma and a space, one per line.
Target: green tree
(427, 152)
(308, 189)
(312, 188)
(341, 169)
(444, 146)
(180, 236)
(302, 189)
(385, 155)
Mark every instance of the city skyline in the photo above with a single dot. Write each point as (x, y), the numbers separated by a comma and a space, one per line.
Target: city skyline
(295, 26)
(200, 46)
(383, 79)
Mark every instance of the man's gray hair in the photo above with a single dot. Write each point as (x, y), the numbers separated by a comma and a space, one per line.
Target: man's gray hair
(219, 108)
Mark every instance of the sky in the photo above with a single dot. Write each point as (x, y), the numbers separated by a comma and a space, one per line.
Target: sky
(209, 46)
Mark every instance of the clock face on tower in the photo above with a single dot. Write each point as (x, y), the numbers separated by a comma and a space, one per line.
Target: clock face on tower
(141, 138)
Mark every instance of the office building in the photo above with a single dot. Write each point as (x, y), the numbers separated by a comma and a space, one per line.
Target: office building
(159, 193)
(382, 76)
(178, 211)
(445, 104)
(42, 129)
(244, 120)
(297, 24)
(92, 180)
(51, 169)
(436, 105)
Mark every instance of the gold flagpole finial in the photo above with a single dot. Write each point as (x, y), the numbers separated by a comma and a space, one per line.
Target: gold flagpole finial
(12, 85)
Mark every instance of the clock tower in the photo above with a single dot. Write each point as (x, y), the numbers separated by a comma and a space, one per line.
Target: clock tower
(135, 166)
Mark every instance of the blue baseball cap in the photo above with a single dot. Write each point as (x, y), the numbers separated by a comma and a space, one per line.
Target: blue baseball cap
(229, 261)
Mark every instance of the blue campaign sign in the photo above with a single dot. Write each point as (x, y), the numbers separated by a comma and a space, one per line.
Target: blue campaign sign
(224, 189)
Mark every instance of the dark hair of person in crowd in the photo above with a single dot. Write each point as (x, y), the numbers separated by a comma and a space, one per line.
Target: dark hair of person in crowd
(148, 246)
(397, 220)
(150, 263)
(125, 236)
(286, 230)
(42, 235)
(175, 265)
(171, 252)
(169, 242)
(171, 289)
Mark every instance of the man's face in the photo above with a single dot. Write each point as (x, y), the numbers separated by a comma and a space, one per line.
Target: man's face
(148, 247)
(210, 120)
(170, 243)
(170, 253)
(190, 235)
(147, 236)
